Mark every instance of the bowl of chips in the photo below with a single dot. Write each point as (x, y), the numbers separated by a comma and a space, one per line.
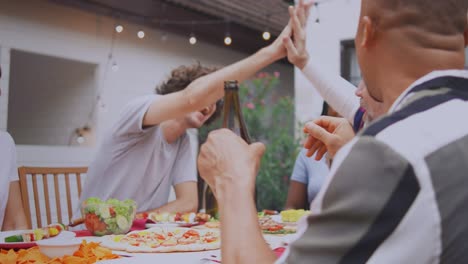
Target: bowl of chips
(108, 217)
(86, 253)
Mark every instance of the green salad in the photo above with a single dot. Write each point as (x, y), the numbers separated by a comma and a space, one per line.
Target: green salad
(108, 217)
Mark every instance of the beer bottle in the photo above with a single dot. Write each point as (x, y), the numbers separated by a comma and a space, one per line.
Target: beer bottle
(233, 120)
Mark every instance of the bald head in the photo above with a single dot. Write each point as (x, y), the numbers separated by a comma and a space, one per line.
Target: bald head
(436, 16)
(399, 41)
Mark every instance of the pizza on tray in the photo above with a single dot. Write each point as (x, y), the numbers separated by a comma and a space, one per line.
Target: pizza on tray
(160, 239)
(270, 226)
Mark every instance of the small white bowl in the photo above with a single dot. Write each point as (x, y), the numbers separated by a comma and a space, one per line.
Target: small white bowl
(56, 248)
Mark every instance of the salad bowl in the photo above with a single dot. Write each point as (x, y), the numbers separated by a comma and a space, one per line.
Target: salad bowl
(108, 217)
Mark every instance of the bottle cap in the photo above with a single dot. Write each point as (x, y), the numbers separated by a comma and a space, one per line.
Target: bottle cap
(231, 85)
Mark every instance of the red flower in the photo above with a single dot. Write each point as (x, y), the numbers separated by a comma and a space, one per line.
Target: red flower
(250, 106)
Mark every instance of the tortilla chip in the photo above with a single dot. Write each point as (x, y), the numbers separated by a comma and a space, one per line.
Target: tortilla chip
(7, 257)
(87, 253)
(32, 255)
(74, 260)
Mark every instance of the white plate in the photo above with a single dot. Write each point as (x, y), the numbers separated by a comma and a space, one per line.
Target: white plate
(18, 245)
(171, 224)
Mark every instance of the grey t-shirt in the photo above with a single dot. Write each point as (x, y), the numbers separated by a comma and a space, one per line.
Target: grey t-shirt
(136, 163)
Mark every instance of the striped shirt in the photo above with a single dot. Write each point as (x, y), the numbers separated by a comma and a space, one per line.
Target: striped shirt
(398, 192)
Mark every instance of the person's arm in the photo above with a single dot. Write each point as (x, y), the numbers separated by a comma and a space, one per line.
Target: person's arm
(297, 193)
(206, 90)
(229, 165)
(15, 218)
(369, 194)
(242, 238)
(335, 90)
(186, 199)
(297, 196)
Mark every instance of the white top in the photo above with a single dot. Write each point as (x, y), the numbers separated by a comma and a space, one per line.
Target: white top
(335, 90)
(8, 170)
(138, 164)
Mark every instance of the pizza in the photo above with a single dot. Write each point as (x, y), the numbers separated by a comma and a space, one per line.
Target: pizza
(178, 217)
(270, 226)
(158, 239)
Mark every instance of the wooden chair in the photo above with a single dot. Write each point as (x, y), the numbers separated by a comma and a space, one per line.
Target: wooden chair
(36, 176)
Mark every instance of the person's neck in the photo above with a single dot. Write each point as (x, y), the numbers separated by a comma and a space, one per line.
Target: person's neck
(173, 129)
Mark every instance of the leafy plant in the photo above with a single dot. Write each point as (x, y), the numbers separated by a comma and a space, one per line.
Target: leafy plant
(269, 119)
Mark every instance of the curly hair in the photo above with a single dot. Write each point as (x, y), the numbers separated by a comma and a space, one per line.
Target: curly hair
(181, 77)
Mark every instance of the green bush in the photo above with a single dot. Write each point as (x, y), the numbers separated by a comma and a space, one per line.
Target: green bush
(269, 119)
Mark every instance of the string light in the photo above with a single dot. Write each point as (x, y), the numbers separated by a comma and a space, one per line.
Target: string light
(115, 66)
(119, 28)
(317, 20)
(80, 139)
(227, 40)
(266, 35)
(193, 39)
(227, 36)
(164, 37)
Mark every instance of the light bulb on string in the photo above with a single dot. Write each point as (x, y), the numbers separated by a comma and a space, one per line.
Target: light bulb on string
(227, 35)
(266, 35)
(227, 40)
(317, 20)
(115, 66)
(119, 28)
(193, 39)
(80, 139)
(141, 34)
(103, 107)
(164, 37)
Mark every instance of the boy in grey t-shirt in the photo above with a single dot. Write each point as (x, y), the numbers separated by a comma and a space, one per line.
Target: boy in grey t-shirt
(148, 149)
(140, 159)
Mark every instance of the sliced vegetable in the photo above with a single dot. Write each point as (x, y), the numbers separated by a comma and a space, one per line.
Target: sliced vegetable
(36, 234)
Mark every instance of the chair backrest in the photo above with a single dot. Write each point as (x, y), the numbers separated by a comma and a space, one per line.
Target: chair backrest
(49, 187)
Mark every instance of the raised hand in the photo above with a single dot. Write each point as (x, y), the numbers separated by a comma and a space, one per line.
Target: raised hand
(277, 48)
(303, 11)
(296, 50)
(327, 134)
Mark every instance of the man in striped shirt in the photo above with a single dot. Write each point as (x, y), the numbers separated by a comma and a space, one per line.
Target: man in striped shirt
(397, 192)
